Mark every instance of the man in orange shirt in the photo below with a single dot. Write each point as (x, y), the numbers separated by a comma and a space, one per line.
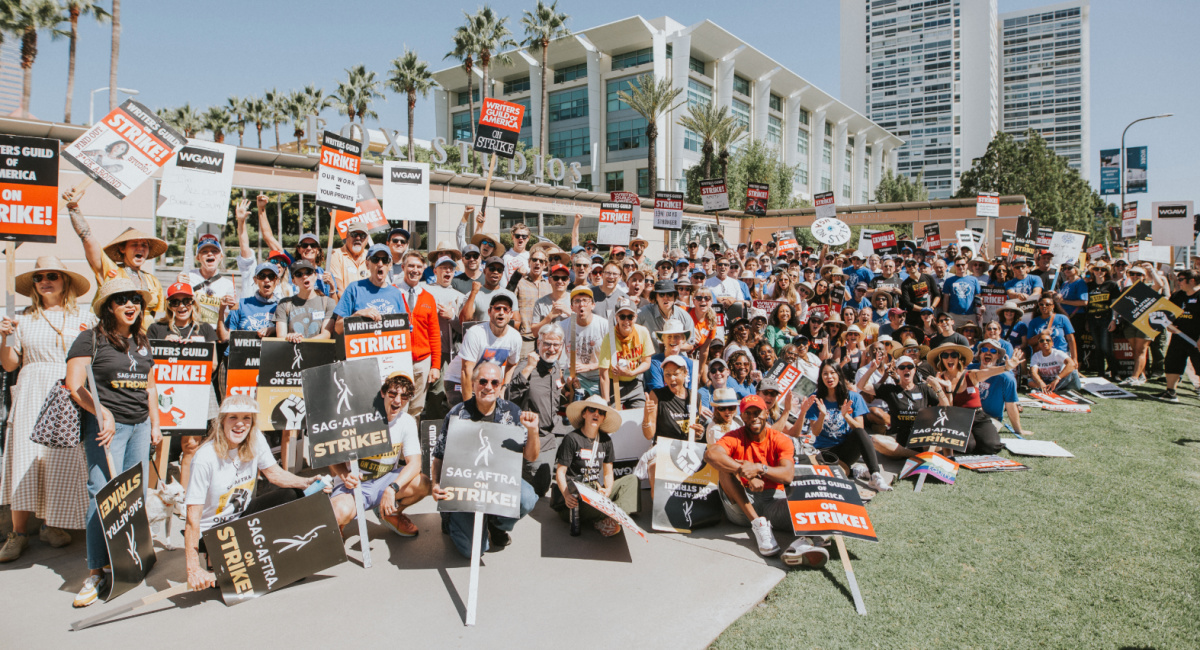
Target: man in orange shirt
(757, 466)
(426, 332)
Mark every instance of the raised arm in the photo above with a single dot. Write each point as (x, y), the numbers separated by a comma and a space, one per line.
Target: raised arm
(240, 213)
(91, 246)
(575, 231)
(264, 225)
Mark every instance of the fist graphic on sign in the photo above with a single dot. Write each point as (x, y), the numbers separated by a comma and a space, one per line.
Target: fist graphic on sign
(292, 409)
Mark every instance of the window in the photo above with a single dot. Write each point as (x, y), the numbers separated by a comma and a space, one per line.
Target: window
(670, 51)
(698, 94)
(568, 104)
(864, 194)
(802, 151)
(630, 59)
(570, 73)
(461, 124)
(614, 101)
(775, 103)
(804, 117)
(464, 98)
(643, 182)
(741, 85)
(695, 65)
(828, 128)
(527, 119)
(627, 134)
(775, 132)
(741, 113)
(614, 181)
(516, 86)
(585, 183)
(692, 141)
(826, 164)
(847, 167)
(569, 143)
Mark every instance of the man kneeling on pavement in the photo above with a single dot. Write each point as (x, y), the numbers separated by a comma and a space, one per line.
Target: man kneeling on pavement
(757, 466)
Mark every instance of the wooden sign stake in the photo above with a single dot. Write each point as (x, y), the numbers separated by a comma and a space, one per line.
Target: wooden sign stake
(487, 188)
(364, 541)
(136, 605)
(859, 605)
(476, 552)
(10, 283)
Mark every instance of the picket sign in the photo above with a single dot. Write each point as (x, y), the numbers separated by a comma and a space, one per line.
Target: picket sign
(364, 541)
(859, 605)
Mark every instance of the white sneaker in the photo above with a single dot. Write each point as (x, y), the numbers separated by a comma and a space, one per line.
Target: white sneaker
(802, 553)
(767, 546)
(91, 589)
(860, 471)
(878, 483)
(1138, 381)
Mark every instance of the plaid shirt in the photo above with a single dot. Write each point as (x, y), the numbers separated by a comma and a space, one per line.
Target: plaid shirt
(528, 293)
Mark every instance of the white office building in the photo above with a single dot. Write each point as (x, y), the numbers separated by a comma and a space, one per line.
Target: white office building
(833, 147)
(945, 75)
(1045, 76)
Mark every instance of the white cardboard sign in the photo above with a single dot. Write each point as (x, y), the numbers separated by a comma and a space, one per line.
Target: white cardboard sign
(1172, 223)
(197, 181)
(406, 190)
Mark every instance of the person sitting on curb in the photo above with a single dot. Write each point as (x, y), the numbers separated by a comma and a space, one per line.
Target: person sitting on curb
(757, 464)
(387, 487)
(585, 455)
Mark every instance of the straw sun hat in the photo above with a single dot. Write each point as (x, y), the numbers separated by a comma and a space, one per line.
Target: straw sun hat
(113, 249)
(46, 263)
(612, 419)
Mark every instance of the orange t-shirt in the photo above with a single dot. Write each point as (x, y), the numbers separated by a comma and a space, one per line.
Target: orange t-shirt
(769, 450)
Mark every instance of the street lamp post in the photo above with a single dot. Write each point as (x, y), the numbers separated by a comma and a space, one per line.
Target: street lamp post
(92, 101)
(1121, 208)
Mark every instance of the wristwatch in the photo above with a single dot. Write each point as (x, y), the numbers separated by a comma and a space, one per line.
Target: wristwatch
(395, 488)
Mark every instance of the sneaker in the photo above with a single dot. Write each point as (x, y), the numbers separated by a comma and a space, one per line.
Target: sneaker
(1128, 381)
(802, 553)
(767, 546)
(499, 538)
(607, 526)
(1168, 395)
(55, 537)
(398, 523)
(92, 587)
(860, 471)
(14, 546)
(878, 483)
(1138, 381)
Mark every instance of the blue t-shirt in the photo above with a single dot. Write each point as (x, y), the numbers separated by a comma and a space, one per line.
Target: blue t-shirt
(960, 294)
(1060, 327)
(654, 377)
(854, 276)
(1025, 286)
(745, 290)
(835, 427)
(363, 293)
(1014, 334)
(1008, 348)
(1077, 290)
(253, 314)
(996, 392)
(857, 304)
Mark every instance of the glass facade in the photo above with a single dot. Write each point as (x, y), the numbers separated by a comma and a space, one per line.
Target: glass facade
(775, 103)
(695, 65)
(847, 168)
(570, 73)
(698, 94)
(630, 59)
(627, 134)
(614, 181)
(516, 86)
(568, 104)
(613, 99)
(643, 181)
(802, 157)
(569, 143)
(741, 85)
(774, 132)
(460, 125)
(741, 113)
(826, 166)
(464, 98)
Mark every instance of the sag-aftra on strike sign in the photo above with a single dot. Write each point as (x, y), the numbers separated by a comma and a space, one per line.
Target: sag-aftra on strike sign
(499, 127)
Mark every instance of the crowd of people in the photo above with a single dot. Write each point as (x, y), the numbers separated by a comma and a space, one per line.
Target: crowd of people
(559, 342)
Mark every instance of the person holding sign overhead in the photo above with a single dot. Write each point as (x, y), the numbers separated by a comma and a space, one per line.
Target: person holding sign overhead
(308, 247)
(585, 455)
(372, 297)
(122, 421)
(492, 341)
(122, 257)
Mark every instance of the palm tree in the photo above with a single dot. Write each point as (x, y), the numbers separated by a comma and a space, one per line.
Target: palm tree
(186, 119)
(76, 9)
(276, 106)
(707, 121)
(367, 91)
(491, 36)
(257, 112)
(236, 108)
(116, 50)
(726, 137)
(217, 120)
(346, 100)
(650, 98)
(30, 17)
(309, 100)
(465, 50)
(411, 76)
(543, 25)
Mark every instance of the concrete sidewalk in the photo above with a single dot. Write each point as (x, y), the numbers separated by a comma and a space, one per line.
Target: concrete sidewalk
(546, 589)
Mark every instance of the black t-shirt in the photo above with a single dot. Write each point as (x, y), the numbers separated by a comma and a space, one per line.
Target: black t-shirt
(903, 406)
(121, 377)
(672, 417)
(583, 457)
(879, 281)
(955, 338)
(1189, 321)
(919, 291)
(1100, 299)
(195, 332)
(462, 283)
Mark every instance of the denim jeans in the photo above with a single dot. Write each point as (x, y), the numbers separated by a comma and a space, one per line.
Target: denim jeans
(1070, 382)
(1102, 344)
(129, 446)
(462, 524)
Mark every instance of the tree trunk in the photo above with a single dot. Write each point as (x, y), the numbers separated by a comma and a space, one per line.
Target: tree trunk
(544, 144)
(471, 107)
(28, 53)
(707, 152)
(485, 60)
(277, 143)
(241, 131)
(219, 136)
(651, 159)
(116, 51)
(258, 125)
(412, 108)
(71, 63)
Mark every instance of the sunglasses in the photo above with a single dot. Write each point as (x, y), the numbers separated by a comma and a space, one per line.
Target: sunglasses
(379, 259)
(907, 366)
(560, 278)
(266, 276)
(501, 309)
(495, 268)
(988, 351)
(625, 316)
(538, 260)
(770, 393)
(175, 302)
(726, 408)
(471, 256)
(358, 235)
(122, 299)
(494, 383)
(399, 241)
(520, 236)
(48, 277)
(299, 275)
(308, 244)
(589, 410)
(949, 355)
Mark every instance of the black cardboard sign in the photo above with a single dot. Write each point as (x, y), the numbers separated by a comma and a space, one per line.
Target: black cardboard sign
(122, 507)
(342, 418)
(948, 427)
(481, 468)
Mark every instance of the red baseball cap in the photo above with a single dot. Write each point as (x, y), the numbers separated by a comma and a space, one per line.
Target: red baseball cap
(178, 288)
(752, 400)
(559, 267)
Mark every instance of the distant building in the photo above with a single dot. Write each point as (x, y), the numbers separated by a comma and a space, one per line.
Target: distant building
(10, 75)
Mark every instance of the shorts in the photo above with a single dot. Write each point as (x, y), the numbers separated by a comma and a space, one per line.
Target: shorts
(1132, 332)
(372, 490)
(1179, 352)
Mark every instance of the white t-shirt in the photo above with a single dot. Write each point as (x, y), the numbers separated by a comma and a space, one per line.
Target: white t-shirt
(727, 288)
(405, 442)
(1048, 366)
(208, 299)
(514, 262)
(225, 486)
(587, 343)
(479, 344)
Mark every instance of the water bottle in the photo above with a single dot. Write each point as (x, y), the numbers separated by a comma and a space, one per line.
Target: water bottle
(575, 519)
(318, 485)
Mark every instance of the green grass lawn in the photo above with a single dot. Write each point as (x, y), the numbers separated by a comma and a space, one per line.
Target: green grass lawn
(1097, 551)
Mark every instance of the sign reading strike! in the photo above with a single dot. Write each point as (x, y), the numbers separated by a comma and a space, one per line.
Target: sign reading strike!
(785, 240)
(280, 386)
(122, 507)
(366, 210)
(499, 127)
(633, 200)
(272, 549)
(388, 340)
(1025, 239)
(785, 374)
(668, 210)
(942, 426)
(241, 373)
(823, 504)
(756, 199)
(196, 183)
(616, 224)
(125, 148)
(713, 195)
(1129, 220)
(824, 203)
(481, 469)
(337, 175)
(342, 419)
(406, 189)
(987, 204)
(183, 374)
(28, 189)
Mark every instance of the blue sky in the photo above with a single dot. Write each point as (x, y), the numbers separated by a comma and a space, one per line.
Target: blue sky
(204, 51)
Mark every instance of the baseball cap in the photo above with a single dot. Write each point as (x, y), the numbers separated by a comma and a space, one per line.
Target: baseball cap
(616, 250)
(492, 260)
(664, 286)
(379, 249)
(505, 295)
(266, 266)
(302, 264)
(675, 359)
(357, 226)
(470, 248)
(905, 359)
(582, 291)
(769, 383)
(895, 311)
(753, 400)
(208, 241)
(179, 288)
(715, 362)
(559, 267)
(284, 258)
(307, 236)
(445, 260)
(625, 304)
(399, 231)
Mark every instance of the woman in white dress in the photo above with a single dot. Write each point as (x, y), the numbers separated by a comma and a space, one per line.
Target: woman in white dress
(41, 481)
